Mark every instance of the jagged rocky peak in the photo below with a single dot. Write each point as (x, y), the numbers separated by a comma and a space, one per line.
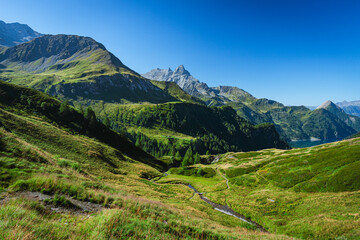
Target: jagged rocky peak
(12, 34)
(181, 70)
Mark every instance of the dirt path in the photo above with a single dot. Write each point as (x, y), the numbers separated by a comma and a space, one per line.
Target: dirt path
(224, 177)
(78, 207)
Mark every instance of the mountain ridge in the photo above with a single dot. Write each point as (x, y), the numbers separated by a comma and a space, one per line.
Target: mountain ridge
(191, 85)
(76, 67)
(289, 120)
(12, 34)
(351, 107)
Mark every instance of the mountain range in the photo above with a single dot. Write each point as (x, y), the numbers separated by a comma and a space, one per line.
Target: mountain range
(68, 108)
(82, 71)
(12, 34)
(212, 96)
(294, 123)
(352, 108)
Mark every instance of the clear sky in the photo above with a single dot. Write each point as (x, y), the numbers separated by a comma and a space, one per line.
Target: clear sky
(298, 52)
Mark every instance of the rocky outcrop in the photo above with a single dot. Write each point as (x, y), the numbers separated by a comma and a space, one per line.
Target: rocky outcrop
(192, 86)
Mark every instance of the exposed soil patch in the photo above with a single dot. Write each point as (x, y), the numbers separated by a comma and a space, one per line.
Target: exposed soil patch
(49, 201)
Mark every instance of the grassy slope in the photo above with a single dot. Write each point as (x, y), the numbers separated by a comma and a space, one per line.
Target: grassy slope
(355, 135)
(76, 67)
(174, 90)
(186, 121)
(38, 154)
(310, 193)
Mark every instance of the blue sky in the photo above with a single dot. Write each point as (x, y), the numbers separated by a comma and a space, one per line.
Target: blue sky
(298, 52)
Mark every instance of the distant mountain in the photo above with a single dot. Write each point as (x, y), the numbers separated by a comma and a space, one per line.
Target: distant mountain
(76, 67)
(311, 107)
(322, 124)
(12, 34)
(349, 120)
(352, 108)
(292, 122)
(212, 95)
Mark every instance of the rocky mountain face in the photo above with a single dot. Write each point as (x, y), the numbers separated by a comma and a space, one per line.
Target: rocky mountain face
(12, 34)
(212, 95)
(182, 78)
(78, 68)
(352, 108)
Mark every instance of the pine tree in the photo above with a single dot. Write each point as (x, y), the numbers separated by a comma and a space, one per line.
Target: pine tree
(197, 158)
(177, 155)
(189, 156)
(107, 122)
(64, 108)
(44, 106)
(91, 117)
(137, 143)
(171, 160)
(172, 151)
(185, 162)
(81, 110)
(89, 113)
(200, 172)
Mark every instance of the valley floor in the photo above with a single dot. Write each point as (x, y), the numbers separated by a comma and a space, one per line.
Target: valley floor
(304, 193)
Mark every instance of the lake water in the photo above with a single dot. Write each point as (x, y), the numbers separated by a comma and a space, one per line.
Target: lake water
(308, 143)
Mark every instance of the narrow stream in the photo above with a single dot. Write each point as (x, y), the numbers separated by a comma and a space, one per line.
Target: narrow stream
(226, 210)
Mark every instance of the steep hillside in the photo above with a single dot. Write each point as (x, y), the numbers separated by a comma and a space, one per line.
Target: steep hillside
(78, 68)
(167, 128)
(309, 193)
(322, 124)
(12, 34)
(351, 121)
(175, 91)
(59, 180)
(20, 99)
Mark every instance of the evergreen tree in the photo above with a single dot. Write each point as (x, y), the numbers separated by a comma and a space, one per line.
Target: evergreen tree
(197, 158)
(137, 143)
(172, 150)
(64, 108)
(81, 110)
(44, 106)
(107, 122)
(89, 113)
(185, 162)
(91, 117)
(177, 155)
(171, 160)
(189, 156)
